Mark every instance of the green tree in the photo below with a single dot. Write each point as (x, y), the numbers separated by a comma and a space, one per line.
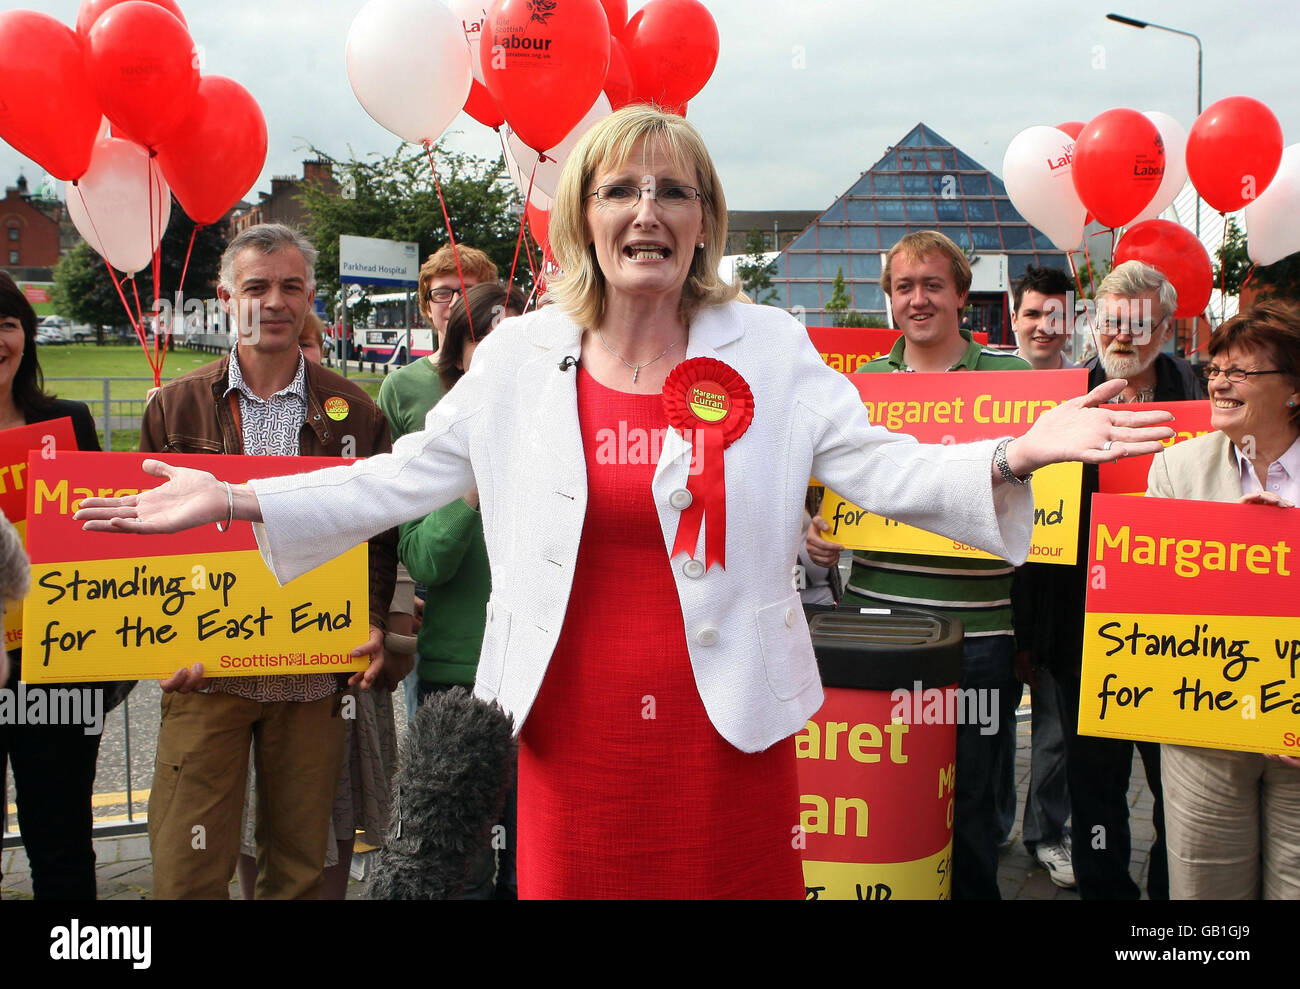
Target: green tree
(755, 271)
(1233, 263)
(83, 290)
(839, 303)
(1090, 273)
(394, 197)
(1278, 280)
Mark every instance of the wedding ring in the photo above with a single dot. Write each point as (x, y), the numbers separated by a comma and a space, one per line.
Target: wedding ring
(1105, 447)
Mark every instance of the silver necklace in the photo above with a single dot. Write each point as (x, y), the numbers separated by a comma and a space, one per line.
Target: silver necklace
(636, 368)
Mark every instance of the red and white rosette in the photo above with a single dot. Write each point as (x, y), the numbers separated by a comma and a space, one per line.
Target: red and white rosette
(711, 405)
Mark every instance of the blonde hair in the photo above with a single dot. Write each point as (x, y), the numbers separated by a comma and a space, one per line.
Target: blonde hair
(580, 289)
(919, 245)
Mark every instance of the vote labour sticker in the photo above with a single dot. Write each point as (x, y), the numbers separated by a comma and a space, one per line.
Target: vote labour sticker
(337, 408)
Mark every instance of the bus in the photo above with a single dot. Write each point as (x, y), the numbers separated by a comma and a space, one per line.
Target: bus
(388, 339)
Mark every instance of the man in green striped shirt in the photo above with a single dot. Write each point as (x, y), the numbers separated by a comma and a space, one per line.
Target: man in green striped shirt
(927, 278)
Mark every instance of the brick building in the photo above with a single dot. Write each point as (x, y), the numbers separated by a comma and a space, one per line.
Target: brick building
(281, 204)
(29, 234)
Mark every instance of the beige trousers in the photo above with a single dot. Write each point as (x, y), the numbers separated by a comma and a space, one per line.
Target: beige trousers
(1233, 825)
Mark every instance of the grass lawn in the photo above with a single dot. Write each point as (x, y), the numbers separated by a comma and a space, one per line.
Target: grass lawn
(122, 362)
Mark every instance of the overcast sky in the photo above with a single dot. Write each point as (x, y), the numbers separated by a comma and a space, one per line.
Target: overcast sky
(807, 95)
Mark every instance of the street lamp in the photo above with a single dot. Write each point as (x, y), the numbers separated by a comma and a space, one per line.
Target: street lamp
(1134, 22)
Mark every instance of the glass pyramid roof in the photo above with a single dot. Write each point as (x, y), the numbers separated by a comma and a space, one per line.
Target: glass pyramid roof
(921, 183)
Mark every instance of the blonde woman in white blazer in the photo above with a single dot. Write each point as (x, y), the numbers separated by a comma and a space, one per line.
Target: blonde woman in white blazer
(638, 226)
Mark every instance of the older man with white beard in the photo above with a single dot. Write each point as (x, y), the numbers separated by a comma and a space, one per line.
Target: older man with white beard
(1135, 315)
(1135, 307)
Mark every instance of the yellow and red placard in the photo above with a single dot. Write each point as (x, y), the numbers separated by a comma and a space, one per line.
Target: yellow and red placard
(47, 438)
(115, 606)
(876, 801)
(848, 348)
(1129, 475)
(1192, 632)
(953, 407)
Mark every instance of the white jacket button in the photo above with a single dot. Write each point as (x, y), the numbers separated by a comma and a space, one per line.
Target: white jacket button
(680, 499)
(789, 617)
(707, 636)
(693, 569)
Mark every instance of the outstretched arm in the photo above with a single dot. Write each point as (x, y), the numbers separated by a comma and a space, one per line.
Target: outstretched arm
(189, 498)
(1079, 430)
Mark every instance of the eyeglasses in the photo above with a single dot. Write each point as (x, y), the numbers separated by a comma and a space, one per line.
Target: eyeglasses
(1113, 328)
(1235, 374)
(671, 196)
(441, 295)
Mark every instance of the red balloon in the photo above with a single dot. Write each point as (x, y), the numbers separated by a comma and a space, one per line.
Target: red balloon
(1072, 127)
(142, 63)
(619, 86)
(616, 14)
(672, 48)
(545, 67)
(539, 222)
(48, 110)
(91, 9)
(217, 154)
(482, 107)
(1233, 152)
(1119, 160)
(1174, 251)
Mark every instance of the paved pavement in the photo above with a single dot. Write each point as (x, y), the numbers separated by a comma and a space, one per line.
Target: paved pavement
(125, 871)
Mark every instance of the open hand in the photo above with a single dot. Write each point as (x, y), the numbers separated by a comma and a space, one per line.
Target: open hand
(1264, 498)
(189, 498)
(1079, 430)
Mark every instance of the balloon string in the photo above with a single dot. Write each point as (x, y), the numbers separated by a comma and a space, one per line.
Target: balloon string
(1074, 270)
(135, 324)
(530, 241)
(1223, 271)
(523, 216)
(1087, 257)
(180, 290)
(155, 268)
(451, 237)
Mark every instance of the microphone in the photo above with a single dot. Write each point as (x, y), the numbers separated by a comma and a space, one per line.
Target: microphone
(458, 763)
(567, 363)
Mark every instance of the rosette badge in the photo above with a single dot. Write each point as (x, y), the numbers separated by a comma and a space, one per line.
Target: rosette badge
(711, 406)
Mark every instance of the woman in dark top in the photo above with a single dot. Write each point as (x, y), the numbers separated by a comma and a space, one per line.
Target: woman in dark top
(53, 765)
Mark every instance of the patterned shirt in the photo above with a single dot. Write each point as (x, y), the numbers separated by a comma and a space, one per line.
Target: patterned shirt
(269, 427)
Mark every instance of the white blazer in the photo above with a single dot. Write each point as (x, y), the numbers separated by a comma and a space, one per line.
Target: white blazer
(511, 427)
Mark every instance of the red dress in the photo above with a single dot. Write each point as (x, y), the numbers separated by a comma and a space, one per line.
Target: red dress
(626, 790)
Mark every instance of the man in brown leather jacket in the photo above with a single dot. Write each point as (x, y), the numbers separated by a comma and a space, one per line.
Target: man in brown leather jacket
(261, 399)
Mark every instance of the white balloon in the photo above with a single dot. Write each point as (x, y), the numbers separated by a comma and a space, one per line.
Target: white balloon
(110, 207)
(472, 15)
(409, 66)
(1037, 173)
(1175, 138)
(1273, 220)
(547, 178)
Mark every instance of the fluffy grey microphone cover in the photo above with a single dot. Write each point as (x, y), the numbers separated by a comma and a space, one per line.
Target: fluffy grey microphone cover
(457, 766)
